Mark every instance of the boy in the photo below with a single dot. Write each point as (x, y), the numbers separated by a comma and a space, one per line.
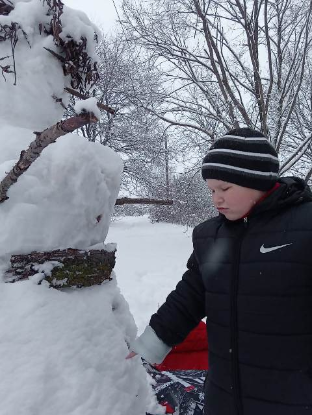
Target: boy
(250, 275)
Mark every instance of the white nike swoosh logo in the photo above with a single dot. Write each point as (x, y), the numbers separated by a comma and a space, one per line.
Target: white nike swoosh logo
(264, 250)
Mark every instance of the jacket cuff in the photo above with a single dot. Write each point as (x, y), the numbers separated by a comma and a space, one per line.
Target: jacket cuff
(150, 346)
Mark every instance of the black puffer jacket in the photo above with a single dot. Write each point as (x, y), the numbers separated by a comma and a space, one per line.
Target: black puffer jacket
(253, 280)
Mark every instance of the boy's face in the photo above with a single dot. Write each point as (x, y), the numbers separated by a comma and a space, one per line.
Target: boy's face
(233, 201)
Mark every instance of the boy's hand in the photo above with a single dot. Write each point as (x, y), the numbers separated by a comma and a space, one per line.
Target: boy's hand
(131, 354)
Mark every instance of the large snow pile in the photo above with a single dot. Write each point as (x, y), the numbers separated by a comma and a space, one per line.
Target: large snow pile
(64, 352)
(58, 202)
(61, 352)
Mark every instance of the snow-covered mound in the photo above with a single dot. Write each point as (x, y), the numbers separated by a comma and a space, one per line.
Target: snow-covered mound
(64, 352)
(64, 200)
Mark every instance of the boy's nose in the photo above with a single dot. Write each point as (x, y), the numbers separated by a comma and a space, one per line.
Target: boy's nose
(218, 199)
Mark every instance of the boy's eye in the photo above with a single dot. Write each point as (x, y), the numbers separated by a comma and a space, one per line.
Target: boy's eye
(227, 188)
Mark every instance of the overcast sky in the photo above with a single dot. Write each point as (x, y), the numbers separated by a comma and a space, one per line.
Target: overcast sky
(101, 12)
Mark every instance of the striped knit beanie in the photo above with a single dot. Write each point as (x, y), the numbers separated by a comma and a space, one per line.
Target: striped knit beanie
(244, 157)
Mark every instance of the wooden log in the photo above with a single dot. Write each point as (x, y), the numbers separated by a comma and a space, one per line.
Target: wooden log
(142, 201)
(64, 268)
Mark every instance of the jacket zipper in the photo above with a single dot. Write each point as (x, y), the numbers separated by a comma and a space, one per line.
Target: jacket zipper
(234, 329)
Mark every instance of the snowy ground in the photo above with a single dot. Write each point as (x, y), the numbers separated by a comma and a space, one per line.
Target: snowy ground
(151, 259)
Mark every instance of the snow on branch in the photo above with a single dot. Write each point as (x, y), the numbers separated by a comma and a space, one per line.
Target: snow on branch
(99, 104)
(43, 139)
(71, 53)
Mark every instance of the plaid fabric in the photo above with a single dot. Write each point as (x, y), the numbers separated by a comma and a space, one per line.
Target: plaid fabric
(180, 391)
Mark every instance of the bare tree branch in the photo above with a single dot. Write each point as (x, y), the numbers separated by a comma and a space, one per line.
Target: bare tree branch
(43, 139)
(296, 155)
(180, 124)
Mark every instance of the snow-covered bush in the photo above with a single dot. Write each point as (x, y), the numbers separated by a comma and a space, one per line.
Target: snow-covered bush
(191, 202)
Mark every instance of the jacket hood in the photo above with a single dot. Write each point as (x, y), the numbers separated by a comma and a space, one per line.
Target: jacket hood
(292, 190)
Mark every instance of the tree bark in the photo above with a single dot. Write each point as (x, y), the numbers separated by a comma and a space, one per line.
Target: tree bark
(70, 267)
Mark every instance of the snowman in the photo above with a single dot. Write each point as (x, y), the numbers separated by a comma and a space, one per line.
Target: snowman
(62, 351)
